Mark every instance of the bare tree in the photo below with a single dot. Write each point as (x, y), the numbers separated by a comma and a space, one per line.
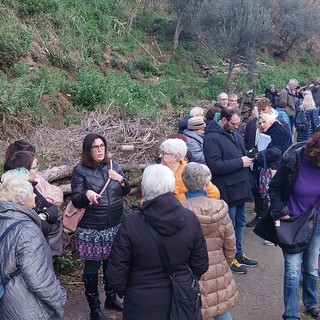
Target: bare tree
(295, 22)
(184, 10)
(236, 28)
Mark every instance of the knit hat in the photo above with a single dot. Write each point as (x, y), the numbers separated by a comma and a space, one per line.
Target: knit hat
(196, 123)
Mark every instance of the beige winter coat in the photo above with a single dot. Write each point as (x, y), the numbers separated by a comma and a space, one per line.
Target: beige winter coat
(218, 288)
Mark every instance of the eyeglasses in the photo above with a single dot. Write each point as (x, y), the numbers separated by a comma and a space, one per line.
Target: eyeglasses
(163, 153)
(34, 168)
(96, 148)
(234, 124)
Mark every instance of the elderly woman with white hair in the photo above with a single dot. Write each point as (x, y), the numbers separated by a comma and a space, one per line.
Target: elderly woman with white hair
(173, 153)
(33, 292)
(218, 288)
(135, 268)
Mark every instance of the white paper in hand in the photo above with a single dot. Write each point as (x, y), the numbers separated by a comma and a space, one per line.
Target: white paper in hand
(263, 142)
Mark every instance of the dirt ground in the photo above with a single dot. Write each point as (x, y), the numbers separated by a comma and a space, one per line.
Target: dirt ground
(260, 290)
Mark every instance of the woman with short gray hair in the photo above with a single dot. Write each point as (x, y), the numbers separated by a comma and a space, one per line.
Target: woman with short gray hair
(33, 292)
(218, 288)
(172, 154)
(135, 268)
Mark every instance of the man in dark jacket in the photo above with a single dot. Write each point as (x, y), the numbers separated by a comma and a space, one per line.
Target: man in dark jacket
(225, 155)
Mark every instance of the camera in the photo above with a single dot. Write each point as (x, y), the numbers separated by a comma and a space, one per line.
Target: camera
(252, 153)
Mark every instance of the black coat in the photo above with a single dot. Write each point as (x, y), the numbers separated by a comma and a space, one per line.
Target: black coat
(135, 269)
(108, 212)
(223, 152)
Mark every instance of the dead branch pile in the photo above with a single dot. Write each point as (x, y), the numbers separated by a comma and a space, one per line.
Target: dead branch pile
(131, 141)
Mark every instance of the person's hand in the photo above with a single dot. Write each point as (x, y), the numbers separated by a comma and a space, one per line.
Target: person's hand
(285, 217)
(115, 176)
(93, 196)
(246, 161)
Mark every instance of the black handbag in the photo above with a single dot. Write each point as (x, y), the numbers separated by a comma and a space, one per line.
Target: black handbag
(186, 299)
(294, 234)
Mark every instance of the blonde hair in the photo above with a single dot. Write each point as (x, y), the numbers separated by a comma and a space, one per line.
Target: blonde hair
(14, 186)
(307, 102)
(269, 118)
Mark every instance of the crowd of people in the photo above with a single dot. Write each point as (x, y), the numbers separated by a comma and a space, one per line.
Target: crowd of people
(194, 199)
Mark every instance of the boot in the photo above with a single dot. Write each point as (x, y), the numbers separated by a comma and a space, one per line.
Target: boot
(111, 298)
(254, 221)
(92, 294)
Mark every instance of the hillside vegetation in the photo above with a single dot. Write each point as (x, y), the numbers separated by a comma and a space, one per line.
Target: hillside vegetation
(62, 58)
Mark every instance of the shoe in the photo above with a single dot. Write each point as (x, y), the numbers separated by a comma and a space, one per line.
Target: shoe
(268, 243)
(246, 261)
(314, 313)
(237, 268)
(253, 222)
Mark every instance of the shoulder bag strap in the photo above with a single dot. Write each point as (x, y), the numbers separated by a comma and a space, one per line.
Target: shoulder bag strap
(317, 205)
(162, 249)
(107, 182)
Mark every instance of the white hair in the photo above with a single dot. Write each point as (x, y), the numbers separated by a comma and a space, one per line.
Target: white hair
(157, 179)
(293, 81)
(196, 111)
(175, 146)
(14, 186)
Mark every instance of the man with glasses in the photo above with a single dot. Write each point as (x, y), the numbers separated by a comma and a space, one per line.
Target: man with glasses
(225, 155)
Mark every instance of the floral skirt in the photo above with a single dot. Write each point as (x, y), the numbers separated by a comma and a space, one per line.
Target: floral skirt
(94, 244)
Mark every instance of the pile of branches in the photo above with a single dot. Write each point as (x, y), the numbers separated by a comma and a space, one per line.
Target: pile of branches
(130, 141)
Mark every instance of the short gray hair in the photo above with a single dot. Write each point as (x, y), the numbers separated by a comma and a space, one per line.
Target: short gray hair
(157, 179)
(195, 176)
(293, 81)
(175, 146)
(196, 111)
(14, 186)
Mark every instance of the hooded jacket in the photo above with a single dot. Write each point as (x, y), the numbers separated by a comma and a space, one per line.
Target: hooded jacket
(34, 293)
(195, 146)
(218, 288)
(135, 269)
(109, 211)
(223, 152)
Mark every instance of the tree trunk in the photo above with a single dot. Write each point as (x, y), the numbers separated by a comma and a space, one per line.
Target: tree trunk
(179, 27)
(230, 69)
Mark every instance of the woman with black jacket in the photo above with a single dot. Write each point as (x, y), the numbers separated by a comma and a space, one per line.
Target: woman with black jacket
(102, 217)
(135, 268)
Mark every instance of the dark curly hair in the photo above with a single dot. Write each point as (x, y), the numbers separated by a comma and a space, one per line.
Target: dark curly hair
(313, 148)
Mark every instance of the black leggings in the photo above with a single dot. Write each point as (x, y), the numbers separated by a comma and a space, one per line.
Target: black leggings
(92, 267)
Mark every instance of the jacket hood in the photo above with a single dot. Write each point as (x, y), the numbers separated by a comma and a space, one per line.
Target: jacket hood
(164, 213)
(10, 210)
(214, 127)
(193, 135)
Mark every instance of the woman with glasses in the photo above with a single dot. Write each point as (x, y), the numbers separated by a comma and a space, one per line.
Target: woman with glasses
(102, 217)
(47, 211)
(172, 154)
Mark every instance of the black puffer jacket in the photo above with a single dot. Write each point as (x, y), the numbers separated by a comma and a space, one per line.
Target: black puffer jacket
(108, 212)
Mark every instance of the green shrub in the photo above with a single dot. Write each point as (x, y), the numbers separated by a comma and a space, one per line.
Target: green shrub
(66, 263)
(91, 90)
(31, 7)
(10, 52)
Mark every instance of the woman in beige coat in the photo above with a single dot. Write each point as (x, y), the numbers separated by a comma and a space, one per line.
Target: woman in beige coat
(218, 288)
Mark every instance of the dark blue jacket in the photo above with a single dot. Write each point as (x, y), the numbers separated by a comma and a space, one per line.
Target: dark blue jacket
(223, 152)
(108, 212)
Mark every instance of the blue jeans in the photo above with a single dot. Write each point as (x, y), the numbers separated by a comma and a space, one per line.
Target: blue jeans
(292, 272)
(223, 316)
(238, 217)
